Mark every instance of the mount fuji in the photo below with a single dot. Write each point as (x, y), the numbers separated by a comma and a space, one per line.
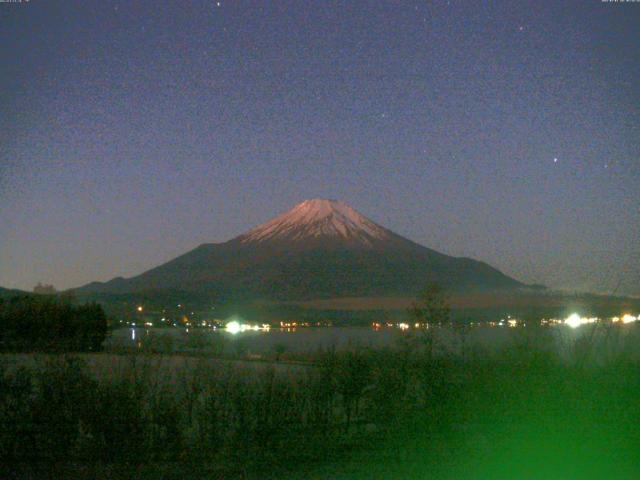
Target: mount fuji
(318, 249)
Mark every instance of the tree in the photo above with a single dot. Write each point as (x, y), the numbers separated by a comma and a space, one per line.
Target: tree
(432, 306)
(353, 374)
(48, 323)
(45, 289)
(431, 309)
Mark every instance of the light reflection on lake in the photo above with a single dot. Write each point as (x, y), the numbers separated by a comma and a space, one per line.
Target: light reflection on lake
(312, 339)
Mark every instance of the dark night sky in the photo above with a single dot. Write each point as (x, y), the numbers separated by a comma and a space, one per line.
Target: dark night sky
(132, 131)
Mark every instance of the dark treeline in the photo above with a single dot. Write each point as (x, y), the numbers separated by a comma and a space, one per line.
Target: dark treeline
(522, 412)
(50, 323)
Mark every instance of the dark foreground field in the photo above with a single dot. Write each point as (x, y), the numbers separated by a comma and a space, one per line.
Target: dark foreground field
(522, 412)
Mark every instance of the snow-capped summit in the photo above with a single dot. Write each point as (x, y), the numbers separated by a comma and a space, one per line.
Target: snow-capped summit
(316, 218)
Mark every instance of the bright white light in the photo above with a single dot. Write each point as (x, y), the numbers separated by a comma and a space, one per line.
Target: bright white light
(236, 327)
(573, 320)
(628, 318)
(403, 326)
(233, 327)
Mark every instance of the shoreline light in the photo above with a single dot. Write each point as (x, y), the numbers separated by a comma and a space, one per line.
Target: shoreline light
(574, 320)
(626, 318)
(233, 327)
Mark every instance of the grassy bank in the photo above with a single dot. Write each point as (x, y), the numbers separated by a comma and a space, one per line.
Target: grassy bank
(518, 412)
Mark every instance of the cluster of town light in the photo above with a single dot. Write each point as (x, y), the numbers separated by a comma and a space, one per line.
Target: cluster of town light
(574, 320)
(625, 319)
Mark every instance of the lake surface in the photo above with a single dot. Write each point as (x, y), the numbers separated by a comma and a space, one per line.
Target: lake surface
(310, 339)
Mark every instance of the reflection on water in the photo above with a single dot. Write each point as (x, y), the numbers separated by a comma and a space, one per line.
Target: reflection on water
(312, 339)
(258, 340)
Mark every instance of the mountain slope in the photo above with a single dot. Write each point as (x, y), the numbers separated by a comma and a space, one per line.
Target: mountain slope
(318, 249)
(12, 292)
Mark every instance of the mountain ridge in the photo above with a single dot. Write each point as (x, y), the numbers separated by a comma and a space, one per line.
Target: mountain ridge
(318, 249)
